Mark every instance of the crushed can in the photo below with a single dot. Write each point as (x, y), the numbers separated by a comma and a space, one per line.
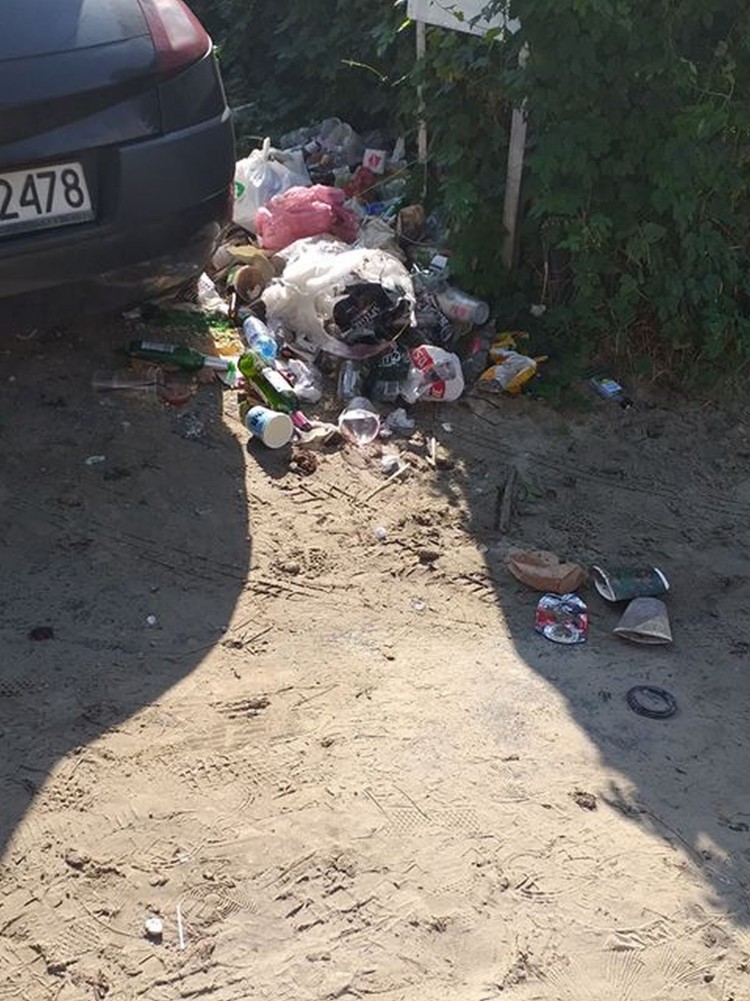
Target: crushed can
(562, 618)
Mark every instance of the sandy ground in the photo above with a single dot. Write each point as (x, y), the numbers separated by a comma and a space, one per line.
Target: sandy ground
(351, 763)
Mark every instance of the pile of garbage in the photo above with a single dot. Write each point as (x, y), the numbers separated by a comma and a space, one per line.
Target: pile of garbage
(330, 275)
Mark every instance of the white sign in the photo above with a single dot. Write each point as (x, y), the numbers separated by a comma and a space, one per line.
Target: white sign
(461, 15)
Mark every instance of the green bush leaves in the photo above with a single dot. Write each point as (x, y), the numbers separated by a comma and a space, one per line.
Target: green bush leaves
(638, 156)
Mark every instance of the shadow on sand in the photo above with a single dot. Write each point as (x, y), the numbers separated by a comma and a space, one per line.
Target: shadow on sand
(623, 488)
(116, 512)
(159, 528)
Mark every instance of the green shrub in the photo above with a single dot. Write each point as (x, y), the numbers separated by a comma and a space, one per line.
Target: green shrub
(296, 62)
(638, 159)
(639, 168)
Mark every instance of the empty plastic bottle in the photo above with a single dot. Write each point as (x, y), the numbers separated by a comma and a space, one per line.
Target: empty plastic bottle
(350, 381)
(260, 339)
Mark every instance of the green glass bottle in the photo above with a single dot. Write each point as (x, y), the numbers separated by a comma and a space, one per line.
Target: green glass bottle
(188, 359)
(268, 383)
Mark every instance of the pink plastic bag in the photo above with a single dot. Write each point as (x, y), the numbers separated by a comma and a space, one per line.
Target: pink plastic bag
(302, 212)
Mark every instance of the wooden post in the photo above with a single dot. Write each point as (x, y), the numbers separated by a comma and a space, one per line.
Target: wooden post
(516, 152)
(421, 53)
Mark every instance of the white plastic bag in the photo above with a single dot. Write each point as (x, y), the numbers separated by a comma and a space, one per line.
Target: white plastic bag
(262, 175)
(308, 381)
(377, 234)
(316, 275)
(434, 375)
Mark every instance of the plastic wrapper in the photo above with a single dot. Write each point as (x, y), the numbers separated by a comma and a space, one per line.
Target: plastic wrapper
(510, 374)
(462, 307)
(306, 380)
(362, 184)
(399, 422)
(387, 374)
(201, 296)
(297, 138)
(562, 618)
(432, 323)
(377, 234)
(341, 142)
(368, 310)
(423, 373)
(303, 212)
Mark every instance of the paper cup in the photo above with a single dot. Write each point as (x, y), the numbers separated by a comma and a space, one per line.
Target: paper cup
(274, 429)
(250, 277)
(645, 620)
(624, 583)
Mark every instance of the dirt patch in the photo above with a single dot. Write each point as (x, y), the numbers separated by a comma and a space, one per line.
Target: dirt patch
(586, 800)
(325, 727)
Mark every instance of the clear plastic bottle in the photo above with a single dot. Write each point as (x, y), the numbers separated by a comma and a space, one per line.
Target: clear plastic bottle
(148, 380)
(260, 339)
(350, 381)
(461, 306)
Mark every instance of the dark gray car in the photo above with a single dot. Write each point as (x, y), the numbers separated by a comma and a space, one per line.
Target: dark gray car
(116, 153)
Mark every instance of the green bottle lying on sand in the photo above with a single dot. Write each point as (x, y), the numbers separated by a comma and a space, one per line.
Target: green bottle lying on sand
(269, 384)
(177, 355)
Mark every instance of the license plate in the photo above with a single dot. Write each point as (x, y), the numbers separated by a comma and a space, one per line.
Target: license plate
(56, 195)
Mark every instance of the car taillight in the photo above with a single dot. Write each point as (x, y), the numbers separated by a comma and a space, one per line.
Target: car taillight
(179, 37)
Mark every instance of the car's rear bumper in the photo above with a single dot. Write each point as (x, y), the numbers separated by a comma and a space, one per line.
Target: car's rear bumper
(162, 204)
